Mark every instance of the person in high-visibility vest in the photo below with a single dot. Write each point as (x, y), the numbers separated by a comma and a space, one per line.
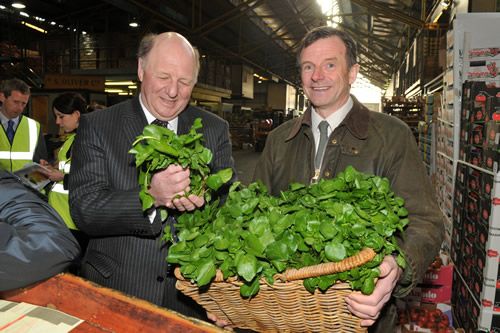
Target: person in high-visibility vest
(21, 138)
(67, 109)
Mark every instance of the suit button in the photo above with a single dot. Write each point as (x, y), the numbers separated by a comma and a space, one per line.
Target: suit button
(327, 173)
(334, 141)
(160, 278)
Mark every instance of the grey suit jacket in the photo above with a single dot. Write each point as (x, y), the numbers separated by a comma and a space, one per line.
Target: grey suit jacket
(125, 251)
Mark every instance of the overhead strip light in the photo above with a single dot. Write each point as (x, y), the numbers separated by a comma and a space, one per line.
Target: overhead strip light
(34, 27)
(119, 83)
(113, 90)
(18, 5)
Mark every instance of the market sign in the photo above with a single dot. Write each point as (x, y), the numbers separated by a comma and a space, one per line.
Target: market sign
(74, 82)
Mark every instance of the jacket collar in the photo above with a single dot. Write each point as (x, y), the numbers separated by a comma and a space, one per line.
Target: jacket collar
(356, 121)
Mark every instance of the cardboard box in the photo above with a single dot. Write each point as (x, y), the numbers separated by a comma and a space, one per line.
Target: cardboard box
(439, 277)
(492, 135)
(474, 179)
(491, 160)
(472, 206)
(461, 176)
(474, 155)
(486, 185)
(485, 210)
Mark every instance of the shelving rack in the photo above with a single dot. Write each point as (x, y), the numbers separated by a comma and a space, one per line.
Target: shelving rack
(411, 112)
(475, 240)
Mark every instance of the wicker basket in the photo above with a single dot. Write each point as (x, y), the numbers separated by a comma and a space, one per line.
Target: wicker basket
(284, 306)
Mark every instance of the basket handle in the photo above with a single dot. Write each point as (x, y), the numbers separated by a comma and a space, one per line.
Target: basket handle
(360, 258)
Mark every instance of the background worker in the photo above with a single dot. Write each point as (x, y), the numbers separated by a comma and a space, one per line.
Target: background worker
(21, 140)
(67, 109)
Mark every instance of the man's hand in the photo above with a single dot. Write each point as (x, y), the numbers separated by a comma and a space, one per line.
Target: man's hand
(368, 307)
(174, 181)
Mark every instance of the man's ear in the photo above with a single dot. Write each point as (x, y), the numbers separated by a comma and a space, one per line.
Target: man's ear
(353, 73)
(140, 68)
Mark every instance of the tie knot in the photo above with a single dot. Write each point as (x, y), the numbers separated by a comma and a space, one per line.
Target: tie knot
(10, 123)
(323, 126)
(160, 123)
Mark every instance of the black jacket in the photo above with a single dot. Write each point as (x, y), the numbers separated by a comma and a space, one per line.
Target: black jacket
(35, 243)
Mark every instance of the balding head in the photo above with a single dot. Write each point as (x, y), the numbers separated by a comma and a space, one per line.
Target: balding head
(168, 69)
(168, 38)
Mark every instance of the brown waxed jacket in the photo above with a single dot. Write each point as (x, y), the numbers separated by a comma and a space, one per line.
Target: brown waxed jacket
(373, 143)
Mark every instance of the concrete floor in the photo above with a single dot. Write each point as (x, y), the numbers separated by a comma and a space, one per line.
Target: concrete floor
(245, 161)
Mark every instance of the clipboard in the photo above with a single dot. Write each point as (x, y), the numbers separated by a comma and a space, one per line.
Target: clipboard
(31, 175)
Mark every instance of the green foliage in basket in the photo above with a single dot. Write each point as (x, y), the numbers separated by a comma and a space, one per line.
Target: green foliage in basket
(254, 235)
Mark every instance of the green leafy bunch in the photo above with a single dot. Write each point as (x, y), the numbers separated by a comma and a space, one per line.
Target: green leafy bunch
(158, 147)
(255, 235)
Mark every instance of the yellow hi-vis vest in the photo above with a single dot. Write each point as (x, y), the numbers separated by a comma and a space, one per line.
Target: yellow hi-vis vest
(16, 156)
(58, 196)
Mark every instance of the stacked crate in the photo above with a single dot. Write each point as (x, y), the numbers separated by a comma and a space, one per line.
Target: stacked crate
(411, 112)
(475, 245)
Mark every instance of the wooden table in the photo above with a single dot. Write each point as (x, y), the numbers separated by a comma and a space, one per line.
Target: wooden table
(104, 309)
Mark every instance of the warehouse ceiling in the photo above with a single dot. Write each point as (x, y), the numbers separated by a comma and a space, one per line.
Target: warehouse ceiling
(260, 33)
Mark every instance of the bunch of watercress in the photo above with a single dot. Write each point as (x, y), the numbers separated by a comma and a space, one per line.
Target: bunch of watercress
(255, 235)
(158, 147)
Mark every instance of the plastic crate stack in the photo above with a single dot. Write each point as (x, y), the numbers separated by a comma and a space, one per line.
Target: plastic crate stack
(475, 244)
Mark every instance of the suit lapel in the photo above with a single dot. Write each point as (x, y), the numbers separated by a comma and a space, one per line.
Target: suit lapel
(186, 119)
(133, 119)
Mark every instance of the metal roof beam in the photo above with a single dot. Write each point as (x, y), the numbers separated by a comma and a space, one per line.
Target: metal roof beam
(228, 16)
(383, 10)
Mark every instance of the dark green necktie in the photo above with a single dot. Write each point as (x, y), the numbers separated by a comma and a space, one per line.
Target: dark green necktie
(323, 139)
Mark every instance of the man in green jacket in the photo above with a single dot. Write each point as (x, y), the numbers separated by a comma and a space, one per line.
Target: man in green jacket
(373, 143)
(21, 138)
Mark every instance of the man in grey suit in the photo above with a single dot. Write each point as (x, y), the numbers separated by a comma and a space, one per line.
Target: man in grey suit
(125, 251)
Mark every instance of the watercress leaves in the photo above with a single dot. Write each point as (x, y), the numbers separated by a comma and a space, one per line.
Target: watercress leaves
(158, 147)
(255, 235)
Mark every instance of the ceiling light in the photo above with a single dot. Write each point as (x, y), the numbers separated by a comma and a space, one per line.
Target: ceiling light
(24, 14)
(119, 83)
(34, 27)
(2, 7)
(53, 23)
(133, 23)
(113, 90)
(18, 5)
